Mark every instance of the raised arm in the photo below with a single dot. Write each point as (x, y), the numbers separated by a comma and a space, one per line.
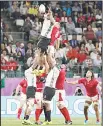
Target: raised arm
(18, 89)
(73, 83)
(100, 87)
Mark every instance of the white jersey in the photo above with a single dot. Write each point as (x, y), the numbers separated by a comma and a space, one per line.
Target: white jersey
(52, 77)
(31, 78)
(46, 30)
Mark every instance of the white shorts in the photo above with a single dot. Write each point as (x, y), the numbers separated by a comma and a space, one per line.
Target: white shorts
(92, 99)
(51, 50)
(60, 96)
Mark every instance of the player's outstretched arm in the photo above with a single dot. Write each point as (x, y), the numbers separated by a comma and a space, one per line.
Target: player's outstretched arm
(18, 89)
(100, 87)
(73, 83)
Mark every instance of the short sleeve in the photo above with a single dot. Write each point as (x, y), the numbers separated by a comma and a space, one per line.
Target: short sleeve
(21, 83)
(81, 81)
(96, 83)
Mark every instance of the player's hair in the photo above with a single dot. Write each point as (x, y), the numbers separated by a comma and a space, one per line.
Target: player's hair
(92, 77)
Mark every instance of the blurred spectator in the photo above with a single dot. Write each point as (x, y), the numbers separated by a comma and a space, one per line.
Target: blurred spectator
(99, 33)
(27, 28)
(32, 11)
(72, 53)
(57, 18)
(30, 60)
(75, 18)
(29, 47)
(81, 20)
(78, 91)
(67, 9)
(58, 9)
(76, 7)
(94, 54)
(19, 57)
(95, 9)
(88, 63)
(12, 64)
(99, 18)
(86, 8)
(89, 33)
(16, 14)
(28, 53)
(89, 46)
(74, 42)
(4, 55)
(97, 62)
(10, 49)
(34, 33)
(23, 11)
(99, 46)
(70, 26)
(21, 49)
(38, 25)
(82, 56)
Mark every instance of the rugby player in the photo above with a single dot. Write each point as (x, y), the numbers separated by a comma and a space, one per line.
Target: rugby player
(60, 95)
(91, 85)
(21, 86)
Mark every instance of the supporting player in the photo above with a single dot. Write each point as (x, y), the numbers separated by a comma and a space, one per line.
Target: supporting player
(44, 67)
(60, 95)
(91, 85)
(31, 89)
(22, 86)
(49, 90)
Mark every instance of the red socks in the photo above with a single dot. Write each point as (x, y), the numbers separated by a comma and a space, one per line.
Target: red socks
(38, 113)
(65, 113)
(86, 117)
(19, 113)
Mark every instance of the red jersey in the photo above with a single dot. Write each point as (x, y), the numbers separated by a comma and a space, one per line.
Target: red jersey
(23, 84)
(54, 35)
(90, 86)
(39, 84)
(61, 79)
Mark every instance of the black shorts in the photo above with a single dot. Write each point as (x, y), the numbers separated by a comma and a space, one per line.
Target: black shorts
(30, 93)
(43, 44)
(48, 93)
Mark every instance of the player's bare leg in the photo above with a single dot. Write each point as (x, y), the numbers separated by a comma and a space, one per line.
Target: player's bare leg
(86, 106)
(96, 112)
(30, 105)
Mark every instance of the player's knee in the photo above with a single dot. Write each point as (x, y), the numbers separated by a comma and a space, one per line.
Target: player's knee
(30, 104)
(60, 105)
(86, 105)
(95, 105)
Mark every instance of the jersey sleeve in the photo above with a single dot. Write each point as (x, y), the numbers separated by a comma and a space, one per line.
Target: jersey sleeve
(96, 83)
(21, 83)
(81, 81)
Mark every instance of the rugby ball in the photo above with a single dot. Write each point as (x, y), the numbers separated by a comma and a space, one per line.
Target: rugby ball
(42, 8)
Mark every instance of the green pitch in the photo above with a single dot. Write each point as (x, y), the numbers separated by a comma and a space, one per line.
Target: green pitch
(55, 122)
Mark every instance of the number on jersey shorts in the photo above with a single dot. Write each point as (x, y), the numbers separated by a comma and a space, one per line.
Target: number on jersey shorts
(92, 99)
(60, 97)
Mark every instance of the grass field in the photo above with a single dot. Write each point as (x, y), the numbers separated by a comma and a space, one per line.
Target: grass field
(55, 122)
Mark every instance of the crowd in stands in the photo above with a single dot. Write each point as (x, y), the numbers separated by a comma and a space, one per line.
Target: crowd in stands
(81, 34)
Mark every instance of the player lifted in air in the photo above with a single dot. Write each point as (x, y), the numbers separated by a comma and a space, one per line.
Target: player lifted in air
(91, 85)
(42, 69)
